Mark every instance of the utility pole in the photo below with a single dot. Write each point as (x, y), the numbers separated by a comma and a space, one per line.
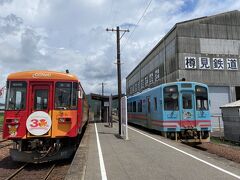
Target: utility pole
(102, 103)
(102, 88)
(119, 70)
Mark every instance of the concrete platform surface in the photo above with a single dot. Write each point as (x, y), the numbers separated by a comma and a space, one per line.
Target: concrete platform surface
(147, 156)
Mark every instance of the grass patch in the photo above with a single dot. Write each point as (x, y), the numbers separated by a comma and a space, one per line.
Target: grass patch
(217, 140)
(1, 118)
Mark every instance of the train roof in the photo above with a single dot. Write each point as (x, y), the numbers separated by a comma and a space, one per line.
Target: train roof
(184, 82)
(166, 84)
(41, 74)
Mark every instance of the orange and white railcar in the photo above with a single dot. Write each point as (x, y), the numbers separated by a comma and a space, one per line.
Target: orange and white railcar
(44, 115)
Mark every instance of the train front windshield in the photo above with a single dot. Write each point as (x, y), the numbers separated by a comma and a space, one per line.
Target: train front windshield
(16, 95)
(171, 98)
(201, 98)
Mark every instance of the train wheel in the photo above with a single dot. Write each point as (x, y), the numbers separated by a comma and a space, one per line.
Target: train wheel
(164, 134)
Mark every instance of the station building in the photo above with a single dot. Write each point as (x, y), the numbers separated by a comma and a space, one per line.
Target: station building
(205, 49)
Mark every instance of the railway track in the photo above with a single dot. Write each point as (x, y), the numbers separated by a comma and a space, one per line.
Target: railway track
(49, 172)
(26, 168)
(16, 172)
(4, 144)
(3, 140)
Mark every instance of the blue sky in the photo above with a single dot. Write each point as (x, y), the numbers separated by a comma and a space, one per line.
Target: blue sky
(60, 34)
(189, 5)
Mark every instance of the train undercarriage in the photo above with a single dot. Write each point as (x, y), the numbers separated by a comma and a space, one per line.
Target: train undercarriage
(40, 150)
(188, 135)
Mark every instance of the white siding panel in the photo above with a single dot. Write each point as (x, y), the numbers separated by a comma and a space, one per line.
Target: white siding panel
(219, 46)
(218, 96)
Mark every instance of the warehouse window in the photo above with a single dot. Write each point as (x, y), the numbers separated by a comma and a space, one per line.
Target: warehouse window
(146, 81)
(156, 74)
(151, 78)
(131, 89)
(142, 83)
(136, 86)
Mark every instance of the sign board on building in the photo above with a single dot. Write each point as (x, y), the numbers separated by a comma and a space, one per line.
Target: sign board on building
(190, 63)
(204, 63)
(216, 63)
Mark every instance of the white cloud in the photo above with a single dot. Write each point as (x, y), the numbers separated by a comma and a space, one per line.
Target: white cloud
(59, 34)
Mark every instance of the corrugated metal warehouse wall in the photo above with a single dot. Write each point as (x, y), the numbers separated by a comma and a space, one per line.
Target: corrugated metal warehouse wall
(203, 50)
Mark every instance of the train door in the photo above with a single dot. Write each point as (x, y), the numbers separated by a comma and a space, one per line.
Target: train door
(40, 98)
(40, 109)
(188, 115)
(148, 99)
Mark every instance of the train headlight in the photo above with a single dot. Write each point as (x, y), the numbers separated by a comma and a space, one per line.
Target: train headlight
(12, 121)
(16, 121)
(64, 120)
(61, 120)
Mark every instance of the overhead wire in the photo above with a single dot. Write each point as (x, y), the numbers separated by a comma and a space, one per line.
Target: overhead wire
(131, 34)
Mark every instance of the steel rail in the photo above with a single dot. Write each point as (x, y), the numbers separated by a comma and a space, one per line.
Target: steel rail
(49, 172)
(3, 146)
(3, 140)
(16, 172)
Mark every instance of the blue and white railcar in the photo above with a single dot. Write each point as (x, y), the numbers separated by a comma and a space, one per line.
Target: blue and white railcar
(178, 109)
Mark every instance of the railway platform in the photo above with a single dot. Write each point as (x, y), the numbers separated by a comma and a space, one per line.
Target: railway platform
(104, 155)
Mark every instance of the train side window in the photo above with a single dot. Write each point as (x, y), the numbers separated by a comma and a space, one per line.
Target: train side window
(201, 98)
(129, 107)
(149, 104)
(80, 91)
(74, 95)
(66, 95)
(79, 94)
(155, 103)
(134, 106)
(63, 95)
(131, 104)
(140, 106)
